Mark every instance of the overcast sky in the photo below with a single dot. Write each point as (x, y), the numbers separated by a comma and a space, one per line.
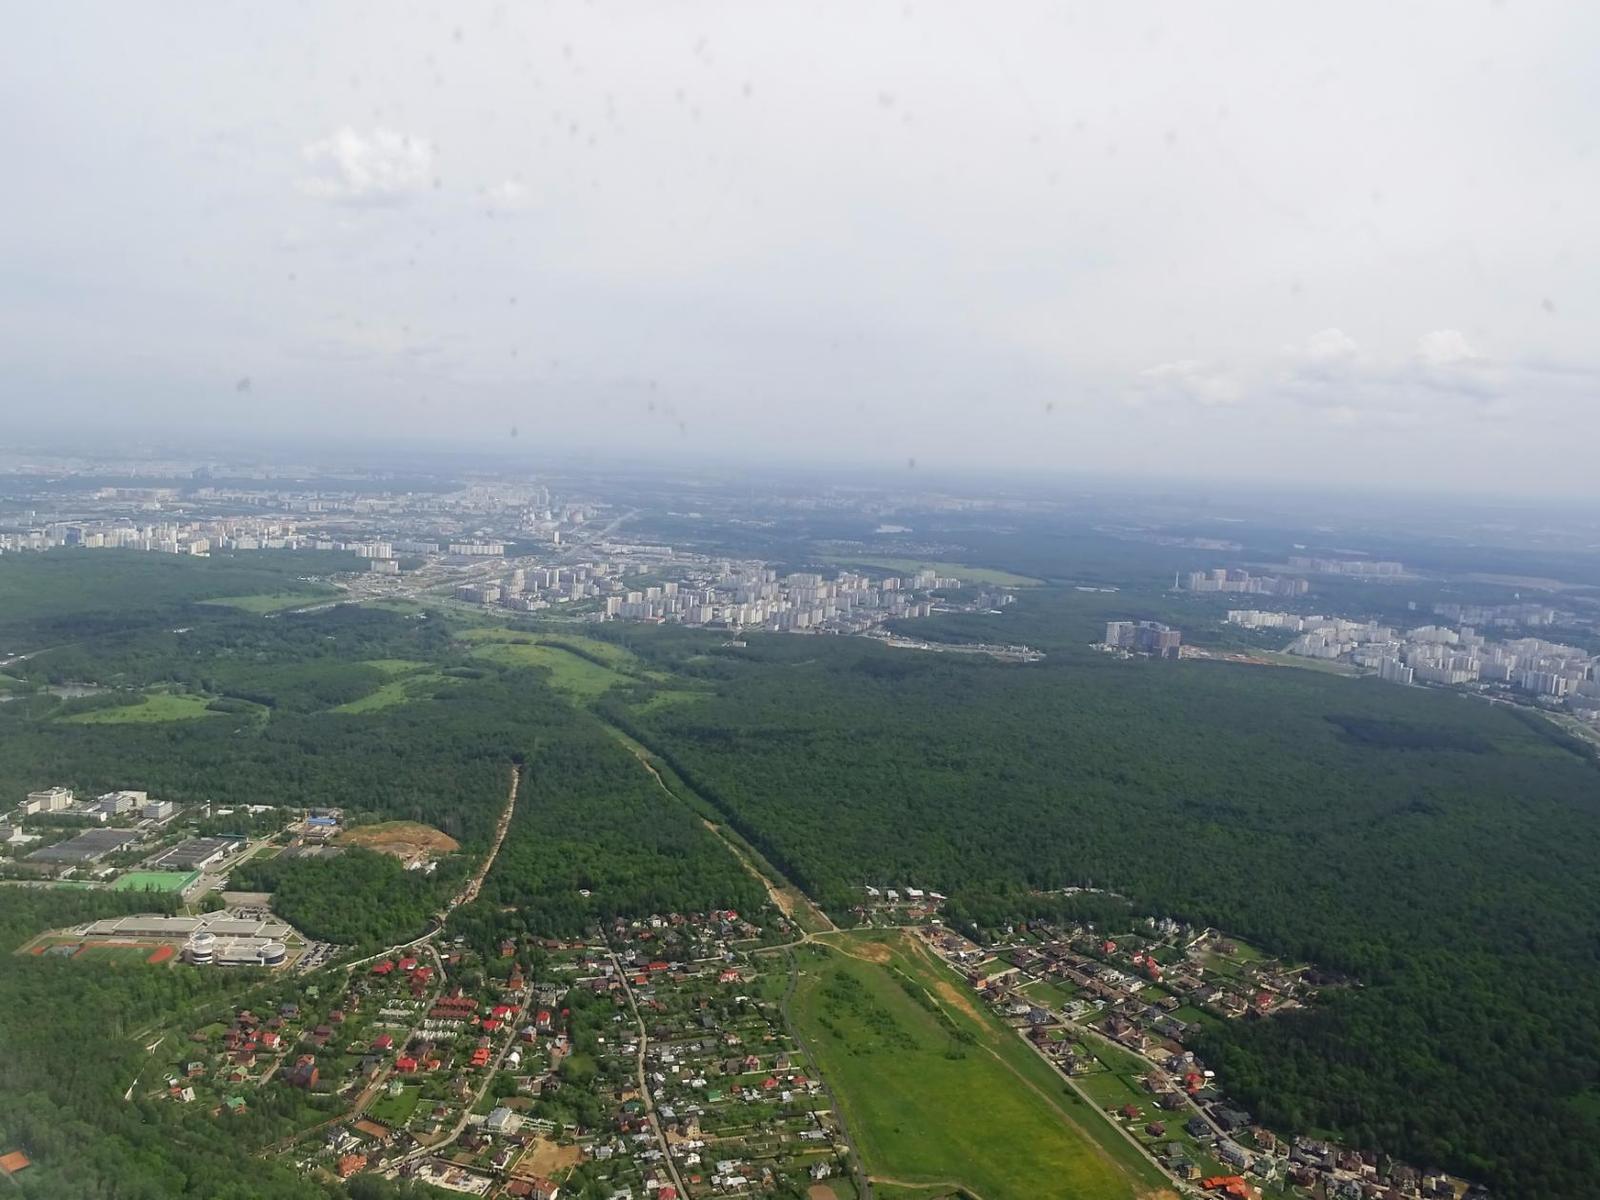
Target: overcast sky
(1245, 240)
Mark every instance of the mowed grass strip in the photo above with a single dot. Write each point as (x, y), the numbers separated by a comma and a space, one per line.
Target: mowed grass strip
(929, 1104)
(945, 570)
(270, 602)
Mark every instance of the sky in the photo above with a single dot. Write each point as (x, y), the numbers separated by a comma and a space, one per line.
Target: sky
(1244, 241)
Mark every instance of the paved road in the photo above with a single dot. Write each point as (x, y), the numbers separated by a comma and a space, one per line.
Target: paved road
(644, 1085)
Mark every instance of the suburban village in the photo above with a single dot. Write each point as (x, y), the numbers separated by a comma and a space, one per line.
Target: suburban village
(1111, 1011)
(652, 1062)
(652, 1059)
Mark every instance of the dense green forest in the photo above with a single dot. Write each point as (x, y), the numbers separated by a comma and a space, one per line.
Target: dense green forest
(70, 1053)
(588, 818)
(358, 898)
(441, 762)
(294, 662)
(1443, 851)
(592, 820)
(47, 599)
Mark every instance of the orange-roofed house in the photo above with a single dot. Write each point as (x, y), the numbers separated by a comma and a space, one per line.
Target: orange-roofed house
(13, 1162)
(1229, 1185)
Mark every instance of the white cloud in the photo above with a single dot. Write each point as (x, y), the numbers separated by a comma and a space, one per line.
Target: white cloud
(508, 196)
(373, 168)
(1189, 380)
(1331, 346)
(1446, 348)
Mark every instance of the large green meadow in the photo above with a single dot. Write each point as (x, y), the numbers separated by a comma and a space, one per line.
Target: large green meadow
(937, 1093)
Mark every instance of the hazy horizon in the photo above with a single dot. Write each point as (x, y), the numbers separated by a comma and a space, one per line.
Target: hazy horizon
(1238, 246)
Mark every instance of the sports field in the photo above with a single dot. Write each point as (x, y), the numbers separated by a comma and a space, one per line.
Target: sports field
(155, 881)
(939, 1094)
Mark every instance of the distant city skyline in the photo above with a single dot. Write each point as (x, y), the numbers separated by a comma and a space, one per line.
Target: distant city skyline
(1237, 245)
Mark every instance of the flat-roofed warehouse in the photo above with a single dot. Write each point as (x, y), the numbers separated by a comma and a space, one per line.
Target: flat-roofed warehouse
(89, 846)
(195, 854)
(176, 928)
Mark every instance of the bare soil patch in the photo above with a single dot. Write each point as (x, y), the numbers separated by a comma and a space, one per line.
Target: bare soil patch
(407, 840)
(950, 994)
(874, 952)
(544, 1157)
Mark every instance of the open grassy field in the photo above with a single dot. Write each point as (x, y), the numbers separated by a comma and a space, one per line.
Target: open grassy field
(394, 666)
(1307, 664)
(668, 697)
(619, 657)
(270, 602)
(402, 689)
(569, 672)
(157, 706)
(404, 607)
(154, 881)
(948, 570)
(938, 1094)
